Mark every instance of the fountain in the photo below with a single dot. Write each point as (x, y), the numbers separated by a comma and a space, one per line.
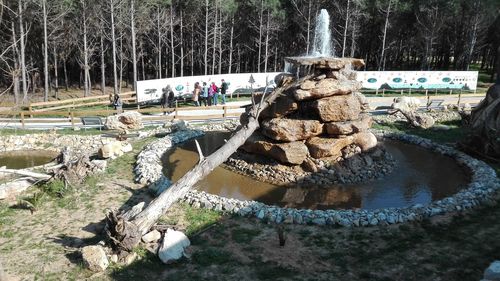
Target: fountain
(322, 36)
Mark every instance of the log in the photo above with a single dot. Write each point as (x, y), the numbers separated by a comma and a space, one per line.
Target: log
(26, 174)
(124, 235)
(416, 120)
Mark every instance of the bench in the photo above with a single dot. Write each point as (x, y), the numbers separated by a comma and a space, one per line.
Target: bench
(92, 122)
(435, 104)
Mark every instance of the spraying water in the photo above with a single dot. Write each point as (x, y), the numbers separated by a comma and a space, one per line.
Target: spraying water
(322, 36)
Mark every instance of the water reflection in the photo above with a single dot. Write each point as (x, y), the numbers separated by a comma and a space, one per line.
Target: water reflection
(420, 176)
(26, 158)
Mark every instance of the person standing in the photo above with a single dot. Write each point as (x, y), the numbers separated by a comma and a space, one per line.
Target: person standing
(204, 94)
(118, 104)
(196, 94)
(223, 90)
(215, 92)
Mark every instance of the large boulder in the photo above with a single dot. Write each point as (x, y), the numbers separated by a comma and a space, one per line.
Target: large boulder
(284, 105)
(173, 245)
(125, 121)
(349, 127)
(365, 140)
(320, 147)
(325, 88)
(282, 129)
(336, 108)
(288, 153)
(95, 258)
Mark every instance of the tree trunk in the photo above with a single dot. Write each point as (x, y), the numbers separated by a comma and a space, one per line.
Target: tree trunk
(220, 44)
(308, 43)
(231, 46)
(134, 54)
(120, 83)
(56, 76)
(384, 37)
(15, 71)
(266, 55)
(182, 43)
(216, 22)
(206, 37)
(85, 52)
(158, 29)
(345, 28)
(128, 234)
(172, 48)
(113, 44)
(23, 54)
(260, 34)
(142, 61)
(66, 83)
(103, 65)
(45, 53)
(192, 49)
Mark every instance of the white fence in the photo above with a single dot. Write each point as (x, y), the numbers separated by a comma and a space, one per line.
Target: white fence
(152, 89)
(148, 90)
(466, 80)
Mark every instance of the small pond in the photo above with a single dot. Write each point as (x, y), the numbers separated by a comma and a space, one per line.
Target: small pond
(26, 158)
(420, 176)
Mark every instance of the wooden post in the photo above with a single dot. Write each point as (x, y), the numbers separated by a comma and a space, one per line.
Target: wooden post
(176, 112)
(383, 92)
(451, 91)
(30, 109)
(426, 92)
(225, 112)
(459, 98)
(435, 92)
(409, 91)
(402, 91)
(22, 119)
(376, 92)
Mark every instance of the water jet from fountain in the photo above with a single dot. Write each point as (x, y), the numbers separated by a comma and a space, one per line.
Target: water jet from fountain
(322, 36)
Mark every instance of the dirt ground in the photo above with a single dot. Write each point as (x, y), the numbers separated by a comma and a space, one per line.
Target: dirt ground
(45, 245)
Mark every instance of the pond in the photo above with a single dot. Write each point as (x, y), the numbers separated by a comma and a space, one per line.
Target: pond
(26, 158)
(420, 176)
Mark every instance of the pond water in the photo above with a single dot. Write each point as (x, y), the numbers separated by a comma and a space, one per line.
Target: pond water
(26, 158)
(419, 176)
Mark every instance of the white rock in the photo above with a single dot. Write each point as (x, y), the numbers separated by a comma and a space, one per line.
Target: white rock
(151, 236)
(111, 150)
(126, 147)
(492, 273)
(173, 245)
(95, 258)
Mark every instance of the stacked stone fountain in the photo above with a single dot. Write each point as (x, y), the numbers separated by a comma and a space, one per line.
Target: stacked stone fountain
(319, 118)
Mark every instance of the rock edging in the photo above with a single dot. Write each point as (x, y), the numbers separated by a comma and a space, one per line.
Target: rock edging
(482, 188)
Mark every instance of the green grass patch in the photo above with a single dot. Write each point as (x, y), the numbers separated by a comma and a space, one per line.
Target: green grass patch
(199, 218)
(454, 134)
(245, 235)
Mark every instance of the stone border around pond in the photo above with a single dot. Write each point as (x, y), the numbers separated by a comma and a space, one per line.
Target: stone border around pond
(482, 189)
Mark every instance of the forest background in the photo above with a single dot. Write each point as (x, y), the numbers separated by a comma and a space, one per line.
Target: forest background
(46, 45)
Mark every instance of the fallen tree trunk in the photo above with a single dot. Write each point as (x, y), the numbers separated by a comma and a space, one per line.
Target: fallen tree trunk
(415, 119)
(124, 235)
(26, 173)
